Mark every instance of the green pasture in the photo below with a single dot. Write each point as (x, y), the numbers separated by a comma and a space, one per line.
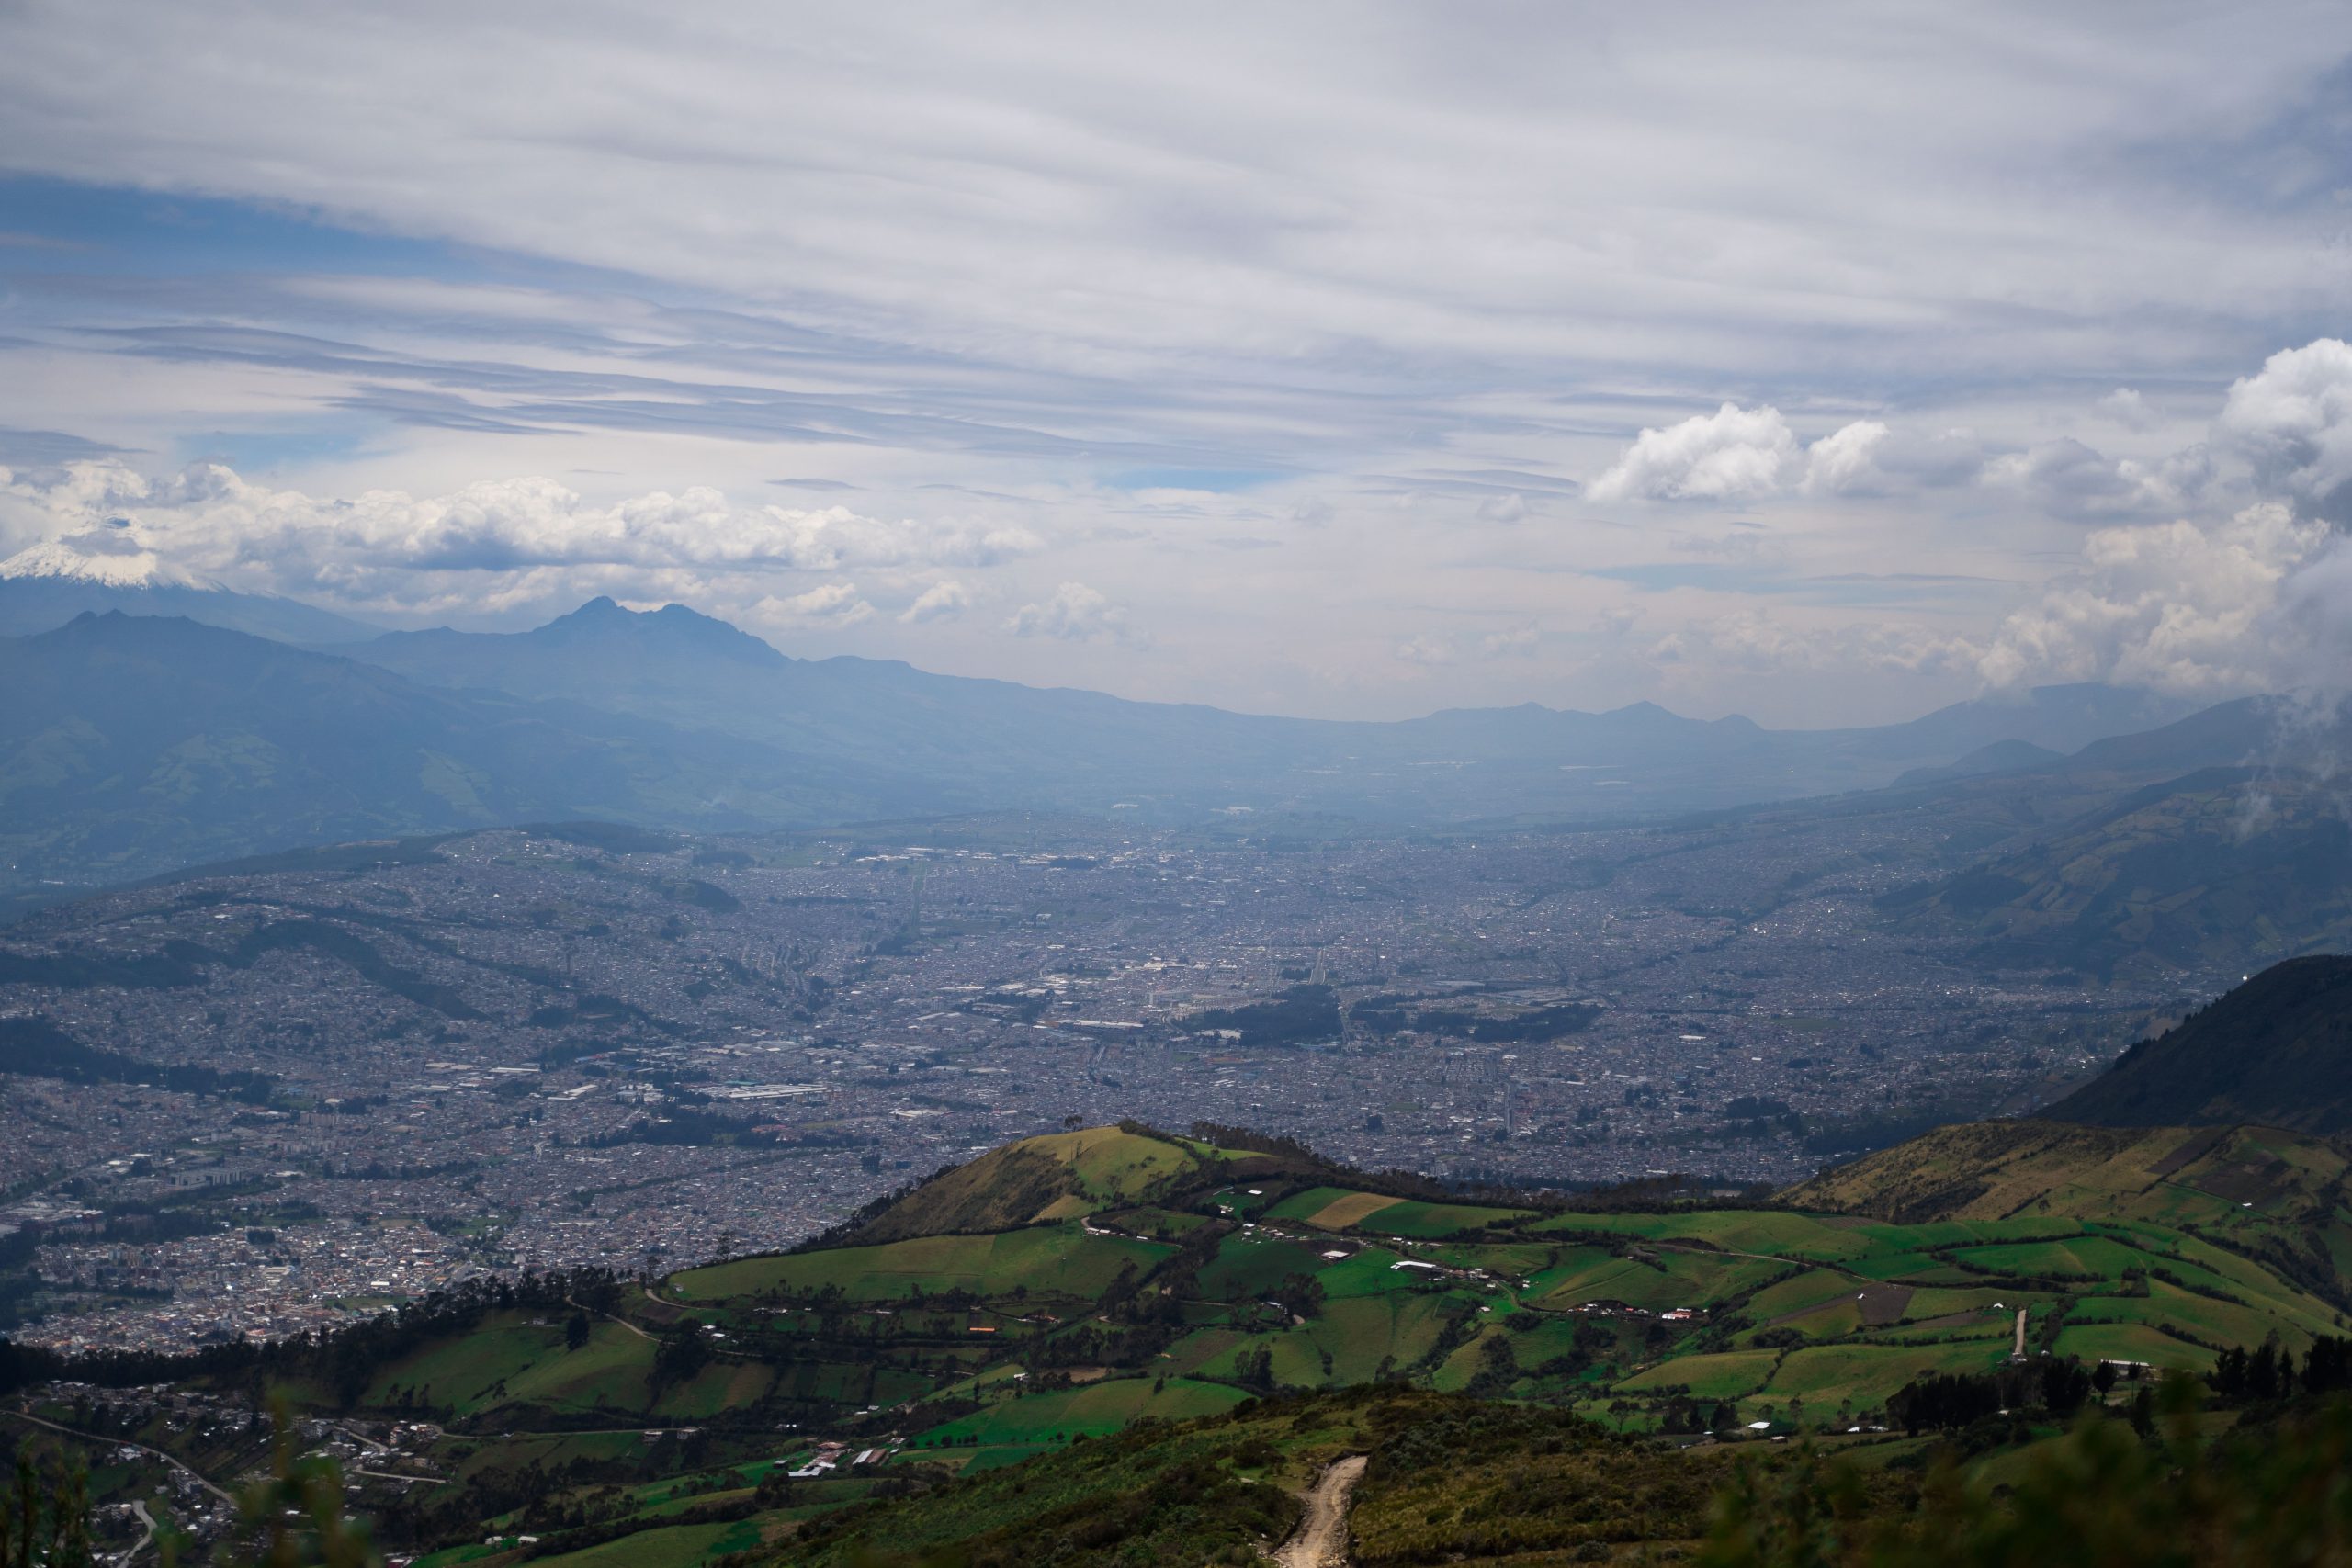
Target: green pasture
(1249, 1266)
(1724, 1374)
(1432, 1220)
(1057, 1262)
(674, 1546)
(1824, 1375)
(1095, 1409)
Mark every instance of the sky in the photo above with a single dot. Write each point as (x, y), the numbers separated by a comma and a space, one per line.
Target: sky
(1824, 364)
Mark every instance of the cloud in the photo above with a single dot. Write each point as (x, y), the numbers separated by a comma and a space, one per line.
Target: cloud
(1736, 454)
(1433, 650)
(940, 602)
(1427, 650)
(1733, 454)
(1753, 643)
(2126, 407)
(2292, 422)
(833, 604)
(2067, 478)
(2215, 610)
(1513, 642)
(385, 545)
(1844, 460)
(1074, 613)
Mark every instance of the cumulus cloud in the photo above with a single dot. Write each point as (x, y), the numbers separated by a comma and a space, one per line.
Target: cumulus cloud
(1733, 454)
(1431, 649)
(2261, 601)
(1074, 613)
(1845, 458)
(832, 603)
(1512, 642)
(940, 602)
(390, 546)
(1427, 650)
(2292, 422)
(2068, 479)
(2179, 607)
(1736, 454)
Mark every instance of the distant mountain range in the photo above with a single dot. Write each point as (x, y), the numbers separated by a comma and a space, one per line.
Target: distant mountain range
(133, 745)
(142, 742)
(2146, 853)
(47, 585)
(993, 742)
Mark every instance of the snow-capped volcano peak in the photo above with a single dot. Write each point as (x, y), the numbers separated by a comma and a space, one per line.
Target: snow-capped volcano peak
(114, 560)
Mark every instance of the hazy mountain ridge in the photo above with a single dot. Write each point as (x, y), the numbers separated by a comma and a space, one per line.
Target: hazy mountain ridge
(674, 719)
(137, 744)
(33, 600)
(2223, 866)
(1068, 748)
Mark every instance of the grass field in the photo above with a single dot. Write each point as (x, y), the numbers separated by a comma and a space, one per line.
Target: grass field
(677, 1546)
(1098, 1408)
(1812, 1315)
(1059, 1260)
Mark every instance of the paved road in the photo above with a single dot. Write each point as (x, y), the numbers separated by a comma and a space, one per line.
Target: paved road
(185, 1468)
(146, 1530)
(1321, 1539)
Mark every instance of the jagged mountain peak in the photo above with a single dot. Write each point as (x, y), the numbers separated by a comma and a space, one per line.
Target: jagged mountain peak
(603, 618)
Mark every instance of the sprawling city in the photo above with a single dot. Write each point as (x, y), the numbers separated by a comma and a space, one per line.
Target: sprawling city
(550, 1048)
(1351, 785)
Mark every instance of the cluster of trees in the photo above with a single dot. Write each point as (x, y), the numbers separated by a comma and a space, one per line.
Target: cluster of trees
(2269, 1372)
(34, 1047)
(1301, 1013)
(1941, 1401)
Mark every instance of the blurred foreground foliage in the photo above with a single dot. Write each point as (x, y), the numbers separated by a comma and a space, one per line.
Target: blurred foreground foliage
(2265, 1495)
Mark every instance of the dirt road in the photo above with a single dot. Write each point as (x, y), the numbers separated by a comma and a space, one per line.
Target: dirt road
(1321, 1539)
(2019, 1351)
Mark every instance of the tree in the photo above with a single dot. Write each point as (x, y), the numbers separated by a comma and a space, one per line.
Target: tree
(575, 1331)
(682, 1353)
(55, 1536)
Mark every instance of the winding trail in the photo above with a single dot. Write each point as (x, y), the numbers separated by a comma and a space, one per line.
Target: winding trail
(1321, 1539)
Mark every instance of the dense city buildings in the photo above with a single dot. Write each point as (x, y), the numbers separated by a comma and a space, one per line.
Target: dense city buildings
(530, 1049)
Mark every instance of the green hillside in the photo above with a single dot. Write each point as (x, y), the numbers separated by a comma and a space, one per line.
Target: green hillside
(2218, 868)
(2275, 1051)
(1068, 1296)
(1058, 1176)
